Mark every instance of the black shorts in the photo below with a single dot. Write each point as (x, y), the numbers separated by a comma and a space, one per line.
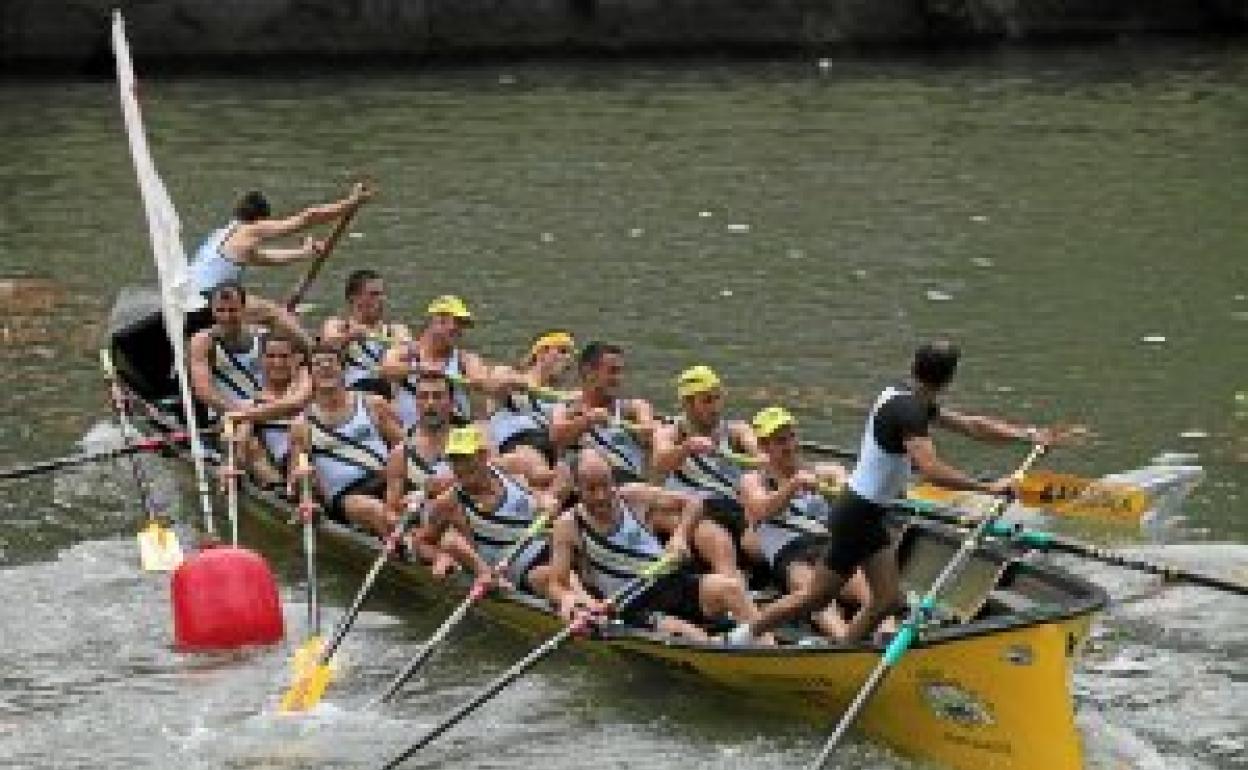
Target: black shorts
(676, 594)
(372, 485)
(538, 439)
(803, 549)
(856, 532)
(374, 385)
(727, 513)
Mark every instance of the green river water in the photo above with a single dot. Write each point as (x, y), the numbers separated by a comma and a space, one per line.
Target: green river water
(1073, 217)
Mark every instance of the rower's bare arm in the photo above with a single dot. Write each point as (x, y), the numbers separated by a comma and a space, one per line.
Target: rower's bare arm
(313, 215)
(451, 514)
(290, 403)
(202, 384)
(759, 502)
(983, 428)
(567, 425)
(668, 451)
(300, 442)
(743, 439)
(644, 424)
(923, 455)
(396, 363)
(388, 423)
(527, 469)
(562, 556)
(396, 478)
(336, 333)
(276, 257)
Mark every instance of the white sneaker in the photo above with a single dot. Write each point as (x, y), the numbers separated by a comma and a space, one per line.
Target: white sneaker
(739, 636)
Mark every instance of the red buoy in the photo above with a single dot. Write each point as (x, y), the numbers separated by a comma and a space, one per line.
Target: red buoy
(225, 598)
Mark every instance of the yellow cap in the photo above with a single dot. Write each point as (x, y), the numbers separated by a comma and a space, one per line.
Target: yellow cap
(696, 379)
(770, 420)
(449, 304)
(550, 340)
(464, 441)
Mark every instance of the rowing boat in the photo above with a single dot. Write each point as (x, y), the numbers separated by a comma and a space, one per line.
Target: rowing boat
(986, 686)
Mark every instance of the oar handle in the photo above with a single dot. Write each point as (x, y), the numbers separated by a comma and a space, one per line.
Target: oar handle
(314, 269)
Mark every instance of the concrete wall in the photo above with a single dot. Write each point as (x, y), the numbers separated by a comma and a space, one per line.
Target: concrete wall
(71, 32)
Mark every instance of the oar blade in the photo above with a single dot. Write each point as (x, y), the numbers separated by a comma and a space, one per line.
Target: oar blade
(307, 656)
(307, 690)
(159, 550)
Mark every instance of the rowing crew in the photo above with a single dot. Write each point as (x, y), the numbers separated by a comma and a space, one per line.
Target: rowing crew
(392, 419)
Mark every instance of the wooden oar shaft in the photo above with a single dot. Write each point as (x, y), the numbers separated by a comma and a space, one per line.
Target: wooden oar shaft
(461, 611)
(621, 599)
(314, 269)
(82, 458)
(348, 619)
(1048, 541)
(489, 691)
(918, 613)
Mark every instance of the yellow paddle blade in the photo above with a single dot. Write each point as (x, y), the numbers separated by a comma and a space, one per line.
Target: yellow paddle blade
(307, 689)
(307, 655)
(1077, 496)
(158, 548)
(1058, 493)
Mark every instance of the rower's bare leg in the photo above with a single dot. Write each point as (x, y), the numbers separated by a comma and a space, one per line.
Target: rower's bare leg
(721, 595)
(883, 597)
(670, 624)
(257, 460)
(267, 312)
(802, 599)
(370, 513)
(714, 545)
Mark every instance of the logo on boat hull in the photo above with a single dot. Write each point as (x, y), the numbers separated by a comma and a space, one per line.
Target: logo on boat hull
(953, 703)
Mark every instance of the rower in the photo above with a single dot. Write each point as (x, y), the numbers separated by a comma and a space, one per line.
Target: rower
(355, 442)
(491, 510)
(436, 349)
(787, 506)
(895, 439)
(225, 357)
(224, 255)
(611, 534)
(695, 454)
(264, 425)
(520, 420)
(363, 333)
(598, 418)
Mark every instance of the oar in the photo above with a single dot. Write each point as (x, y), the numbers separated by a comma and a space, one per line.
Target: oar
(309, 685)
(1062, 493)
(1049, 541)
(537, 390)
(311, 648)
(83, 458)
(314, 269)
(475, 595)
(159, 550)
(918, 613)
(231, 473)
(619, 600)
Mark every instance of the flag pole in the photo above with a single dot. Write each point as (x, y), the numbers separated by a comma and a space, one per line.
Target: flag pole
(176, 296)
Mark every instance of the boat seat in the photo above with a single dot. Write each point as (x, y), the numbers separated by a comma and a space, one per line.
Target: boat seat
(922, 558)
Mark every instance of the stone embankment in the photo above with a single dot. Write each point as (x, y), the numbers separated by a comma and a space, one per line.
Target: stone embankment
(73, 33)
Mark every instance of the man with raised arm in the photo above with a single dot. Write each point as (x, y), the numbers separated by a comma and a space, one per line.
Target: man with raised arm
(436, 349)
(363, 334)
(612, 535)
(599, 418)
(227, 252)
(355, 443)
(896, 440)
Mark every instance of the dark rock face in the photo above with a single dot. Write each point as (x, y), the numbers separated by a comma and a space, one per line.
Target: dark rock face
(72, 32)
